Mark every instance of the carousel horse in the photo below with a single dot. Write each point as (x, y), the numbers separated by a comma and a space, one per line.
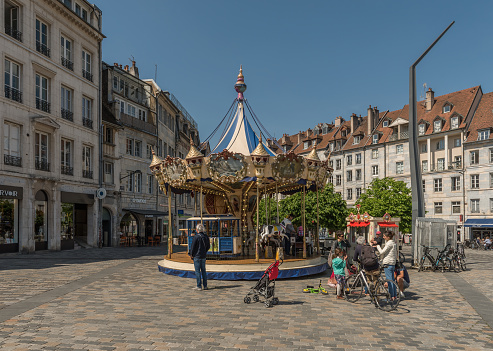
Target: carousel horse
(272, 233)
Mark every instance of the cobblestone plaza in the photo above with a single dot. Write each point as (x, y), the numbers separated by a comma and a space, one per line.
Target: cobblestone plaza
(116, 299)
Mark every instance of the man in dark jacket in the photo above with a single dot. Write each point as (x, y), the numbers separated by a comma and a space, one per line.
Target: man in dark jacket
(200, 245)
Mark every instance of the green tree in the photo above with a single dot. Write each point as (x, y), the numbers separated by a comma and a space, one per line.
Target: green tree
(332, 209)
(391, 196)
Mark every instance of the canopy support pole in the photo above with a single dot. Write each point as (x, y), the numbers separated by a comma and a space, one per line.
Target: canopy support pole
(170, 223)
(318, 225)
(256, 232)
(277, 202)
(304, 221)
(265, 204)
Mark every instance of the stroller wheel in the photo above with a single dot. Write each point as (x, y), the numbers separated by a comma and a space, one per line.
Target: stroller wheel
(255, 298)
(247, 299)
(275, 301)
(268, 304)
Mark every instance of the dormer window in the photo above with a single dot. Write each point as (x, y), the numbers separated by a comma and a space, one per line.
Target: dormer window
(344, 133)
(421, 129)
(332, 146)
(454, 122)
(375, 139)
(324, 130)
(386, 123)
(357, 139)
(306, 144)
(437, 126)
(447, 108)
(483, 134)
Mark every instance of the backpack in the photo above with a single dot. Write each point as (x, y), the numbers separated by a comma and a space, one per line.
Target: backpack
(368, 256)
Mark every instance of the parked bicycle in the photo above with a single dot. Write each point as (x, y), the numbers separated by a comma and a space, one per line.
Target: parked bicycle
(442, 262)
(379, 291)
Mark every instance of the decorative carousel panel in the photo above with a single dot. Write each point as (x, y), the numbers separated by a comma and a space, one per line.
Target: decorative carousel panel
(227, 167)
(288, 167)
(174, 171)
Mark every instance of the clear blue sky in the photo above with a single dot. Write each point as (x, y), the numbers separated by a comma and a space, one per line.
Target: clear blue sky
(304, 62)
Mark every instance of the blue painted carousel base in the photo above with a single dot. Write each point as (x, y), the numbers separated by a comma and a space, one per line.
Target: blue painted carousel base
(249, 271)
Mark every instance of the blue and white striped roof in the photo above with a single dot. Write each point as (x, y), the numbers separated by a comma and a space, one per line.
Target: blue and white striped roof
(239, 136)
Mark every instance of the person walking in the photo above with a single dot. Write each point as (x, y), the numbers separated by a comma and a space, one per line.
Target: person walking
(289, 230)
(200, 245)
(388, 255)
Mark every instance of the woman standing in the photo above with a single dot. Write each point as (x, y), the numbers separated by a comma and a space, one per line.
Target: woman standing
(388, 255)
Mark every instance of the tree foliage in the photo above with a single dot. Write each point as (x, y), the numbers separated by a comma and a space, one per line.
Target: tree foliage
(391, 196)
(332, 209)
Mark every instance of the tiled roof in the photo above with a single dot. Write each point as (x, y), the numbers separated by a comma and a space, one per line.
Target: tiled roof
(483, 118)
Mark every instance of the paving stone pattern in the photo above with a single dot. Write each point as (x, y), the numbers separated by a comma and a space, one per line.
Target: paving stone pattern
(116, 299)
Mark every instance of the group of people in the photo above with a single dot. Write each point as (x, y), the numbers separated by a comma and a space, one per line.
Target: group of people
(365, 254)
(486, 242)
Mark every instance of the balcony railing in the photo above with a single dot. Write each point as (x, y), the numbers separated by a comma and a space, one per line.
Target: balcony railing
(13, 94)
(455, 165)
(138, 124)
(67, 63)
(12, 160)
(42, 105)
(68, 115)
(86, 122)
(42, 165)
(108, 150)
(67, 170)
(42, 48)
(14, 33)
(87, 174)
(87, 75)
(396, 136)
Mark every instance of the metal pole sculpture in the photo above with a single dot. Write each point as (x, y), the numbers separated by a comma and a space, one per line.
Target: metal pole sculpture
(416, 180)
(256, 232)
(304, 221)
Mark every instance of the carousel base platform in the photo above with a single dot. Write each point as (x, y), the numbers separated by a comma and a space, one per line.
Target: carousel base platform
(242, 269)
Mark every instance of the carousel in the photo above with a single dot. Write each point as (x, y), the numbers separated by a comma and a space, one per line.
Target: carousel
(229, 183)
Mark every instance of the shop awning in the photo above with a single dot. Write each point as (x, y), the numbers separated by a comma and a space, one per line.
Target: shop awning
(387, 224)
(146, 213)
(359, 224)
(479, 222)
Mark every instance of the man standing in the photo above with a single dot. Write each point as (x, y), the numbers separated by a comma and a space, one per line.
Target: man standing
(200, 245)
(378, 240)
(289, 231)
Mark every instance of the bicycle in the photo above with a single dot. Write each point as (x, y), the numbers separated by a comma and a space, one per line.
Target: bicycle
(402, 258)
(313, 290)
(442, 262)
(379, 291)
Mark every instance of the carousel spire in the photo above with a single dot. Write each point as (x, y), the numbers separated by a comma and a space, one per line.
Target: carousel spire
(156, 160)
(194, 152)
(313, 154)
(240, 85)
(260, 149)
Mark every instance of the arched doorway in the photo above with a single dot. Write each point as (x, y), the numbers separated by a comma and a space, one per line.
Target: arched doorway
(41, 221)
(107, 230)
(130, 228)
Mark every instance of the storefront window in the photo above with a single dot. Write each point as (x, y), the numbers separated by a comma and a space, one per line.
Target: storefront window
(67, 221)
(8, 223)
(129, 225)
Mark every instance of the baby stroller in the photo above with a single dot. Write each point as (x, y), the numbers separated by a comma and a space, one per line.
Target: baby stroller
(265, 286)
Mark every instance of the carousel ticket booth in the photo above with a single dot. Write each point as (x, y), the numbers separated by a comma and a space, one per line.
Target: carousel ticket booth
(367, 226)
(223, 232)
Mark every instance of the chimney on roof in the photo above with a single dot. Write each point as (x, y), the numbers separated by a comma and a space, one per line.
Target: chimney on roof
(371, 124)
(354, 122)
(308, 132)
(134, 70)
(430, 99)
(126, 68)
(115, 64)
(120, 66)
(338, 121)
(300, 135)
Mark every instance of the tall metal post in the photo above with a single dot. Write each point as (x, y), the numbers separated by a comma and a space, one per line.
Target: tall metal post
(277, 204)
(318, 225)
(416, 179)
(201, 204)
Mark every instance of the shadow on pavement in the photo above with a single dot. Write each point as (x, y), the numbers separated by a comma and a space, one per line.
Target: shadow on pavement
(225, 287)
(287, 303)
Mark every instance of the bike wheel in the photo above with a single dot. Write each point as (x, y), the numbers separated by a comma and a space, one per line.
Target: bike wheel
(387, 295)
(402, 258)
(353, 289)
(421, 265)
(463, 264)
(454, 265)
